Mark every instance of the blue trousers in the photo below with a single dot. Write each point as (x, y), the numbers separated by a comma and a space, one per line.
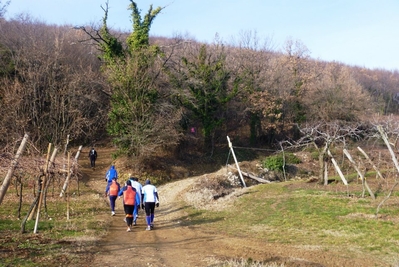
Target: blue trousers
(112, 200)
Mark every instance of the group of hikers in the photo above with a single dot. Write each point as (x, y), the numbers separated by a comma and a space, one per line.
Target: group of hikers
(135, 196)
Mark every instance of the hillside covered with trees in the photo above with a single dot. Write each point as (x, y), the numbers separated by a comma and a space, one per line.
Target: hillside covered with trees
(176, 95)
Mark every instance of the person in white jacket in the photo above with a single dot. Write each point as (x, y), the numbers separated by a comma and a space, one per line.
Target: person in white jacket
(136, 184)
(149, 199)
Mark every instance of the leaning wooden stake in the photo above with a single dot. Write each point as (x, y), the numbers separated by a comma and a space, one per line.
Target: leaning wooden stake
(341, 175)
(50, 165)
(235, 159)
(385, 138)
(247, 174)
(371, 162)
(359, 172)
(395, 162)
(43, 186)
(7, 179)
(70, 172)
(65, 155)
(31, 211)
(67, 192)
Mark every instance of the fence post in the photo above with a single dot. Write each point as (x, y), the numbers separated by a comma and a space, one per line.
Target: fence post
(43, 186)
(69, 172)
(7, 180)
(235, 159)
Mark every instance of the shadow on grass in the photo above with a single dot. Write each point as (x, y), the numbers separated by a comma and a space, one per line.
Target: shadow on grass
(196, 217)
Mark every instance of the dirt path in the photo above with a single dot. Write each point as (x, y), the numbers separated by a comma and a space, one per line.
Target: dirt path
(176, 242)
(170, 244)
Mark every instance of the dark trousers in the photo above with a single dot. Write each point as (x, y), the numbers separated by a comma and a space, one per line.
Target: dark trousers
(149, 208)
(149, 212)
(129, 214)
(112, 200)
(92, 161)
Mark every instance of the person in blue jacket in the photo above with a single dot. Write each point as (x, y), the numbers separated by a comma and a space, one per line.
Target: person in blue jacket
(130, 198)
(111, 173)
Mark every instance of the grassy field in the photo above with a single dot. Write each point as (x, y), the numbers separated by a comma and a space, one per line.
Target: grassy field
(59, 241)
(302, 214)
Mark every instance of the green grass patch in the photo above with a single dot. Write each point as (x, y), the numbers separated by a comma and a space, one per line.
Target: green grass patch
(54, 240)
(329, 219)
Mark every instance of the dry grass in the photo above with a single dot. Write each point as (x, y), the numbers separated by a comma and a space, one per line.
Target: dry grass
(214, 262)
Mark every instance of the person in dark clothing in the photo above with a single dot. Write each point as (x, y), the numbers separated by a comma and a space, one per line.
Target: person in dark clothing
(93, 157)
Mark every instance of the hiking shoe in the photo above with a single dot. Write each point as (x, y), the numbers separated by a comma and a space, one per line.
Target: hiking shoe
(113, 213)
(124, 220)
(134, 223)
(128, 229)
(148, 228)
(152, 226)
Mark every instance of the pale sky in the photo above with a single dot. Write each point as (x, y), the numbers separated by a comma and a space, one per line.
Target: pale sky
(364, 33)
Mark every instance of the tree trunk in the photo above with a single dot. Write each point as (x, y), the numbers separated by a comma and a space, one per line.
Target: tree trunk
(323, 178)
(321, 168)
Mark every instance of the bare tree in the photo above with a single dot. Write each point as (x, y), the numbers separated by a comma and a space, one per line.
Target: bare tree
(382, 87)
(3, 8)
(323, 136)
(256, 104)
(335, 95)
(54, 87)
(296, 73)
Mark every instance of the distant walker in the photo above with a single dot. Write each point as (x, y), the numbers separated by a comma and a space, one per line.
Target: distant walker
(93, 157)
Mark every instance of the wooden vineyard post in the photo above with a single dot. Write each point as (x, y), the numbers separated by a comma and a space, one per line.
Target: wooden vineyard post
(364, 182)
(386, 141)
(50, 163)
(67, 192)
(341, 175)
(371, 162)
(65, 154)
(7, 179)
(395, 162)
(70, 172)
(43, 186)
(235, 159)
